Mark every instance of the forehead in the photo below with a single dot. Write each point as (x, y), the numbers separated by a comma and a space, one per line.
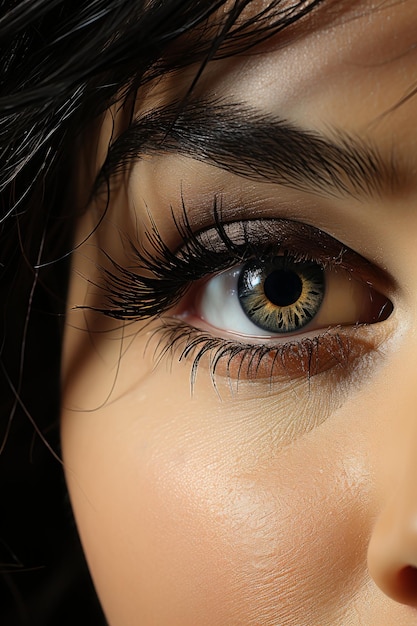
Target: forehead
(363, 40)
(343, 66)
(340, 55)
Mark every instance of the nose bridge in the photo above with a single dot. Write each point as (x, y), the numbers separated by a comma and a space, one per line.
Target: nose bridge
(392, 553)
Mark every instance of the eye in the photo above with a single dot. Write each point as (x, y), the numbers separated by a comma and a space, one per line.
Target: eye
(261, 300)
(280, 296)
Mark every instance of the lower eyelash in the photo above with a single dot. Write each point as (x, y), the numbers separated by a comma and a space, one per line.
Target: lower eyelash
(237, 361)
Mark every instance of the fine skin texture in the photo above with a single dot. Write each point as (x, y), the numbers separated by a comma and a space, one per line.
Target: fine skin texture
(289, 500)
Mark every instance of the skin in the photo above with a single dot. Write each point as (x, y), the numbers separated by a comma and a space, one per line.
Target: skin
(259, 503)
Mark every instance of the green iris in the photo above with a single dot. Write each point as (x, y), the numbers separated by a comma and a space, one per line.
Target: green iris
(281, 295)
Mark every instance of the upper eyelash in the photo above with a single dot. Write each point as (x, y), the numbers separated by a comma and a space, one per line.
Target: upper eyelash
(131, 295)
(160, 277)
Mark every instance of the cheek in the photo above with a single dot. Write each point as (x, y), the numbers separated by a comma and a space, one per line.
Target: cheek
(187, 517)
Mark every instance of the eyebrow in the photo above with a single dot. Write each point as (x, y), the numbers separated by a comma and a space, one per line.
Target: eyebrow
(256, 145)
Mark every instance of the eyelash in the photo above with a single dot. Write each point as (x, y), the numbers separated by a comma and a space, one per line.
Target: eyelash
(160, 279)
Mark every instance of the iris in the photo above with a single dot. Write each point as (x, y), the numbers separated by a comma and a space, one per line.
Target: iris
(280, 294)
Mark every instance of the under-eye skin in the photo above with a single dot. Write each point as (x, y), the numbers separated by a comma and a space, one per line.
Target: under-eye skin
(287, 275)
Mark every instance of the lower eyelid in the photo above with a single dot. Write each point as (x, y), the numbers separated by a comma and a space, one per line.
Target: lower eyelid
(336, 351)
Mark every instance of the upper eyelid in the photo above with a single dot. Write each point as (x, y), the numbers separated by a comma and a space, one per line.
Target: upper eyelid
(157, 277)
(298, 238)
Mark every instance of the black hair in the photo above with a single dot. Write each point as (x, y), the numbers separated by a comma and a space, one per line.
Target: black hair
(63, 64)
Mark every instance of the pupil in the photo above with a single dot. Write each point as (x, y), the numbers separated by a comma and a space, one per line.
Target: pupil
(283, 287)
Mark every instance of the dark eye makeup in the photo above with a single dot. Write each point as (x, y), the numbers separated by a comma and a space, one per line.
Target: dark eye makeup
(254, 299)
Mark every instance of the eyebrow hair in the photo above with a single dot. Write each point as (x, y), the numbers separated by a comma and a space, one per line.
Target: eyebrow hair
(256, 145)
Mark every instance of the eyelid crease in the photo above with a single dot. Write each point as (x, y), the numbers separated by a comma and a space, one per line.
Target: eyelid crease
(302, 241)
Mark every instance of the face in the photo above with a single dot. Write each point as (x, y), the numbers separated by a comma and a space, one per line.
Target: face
(239, 426)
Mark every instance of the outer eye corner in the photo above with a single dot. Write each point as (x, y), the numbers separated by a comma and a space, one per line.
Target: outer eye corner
(384, 306)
